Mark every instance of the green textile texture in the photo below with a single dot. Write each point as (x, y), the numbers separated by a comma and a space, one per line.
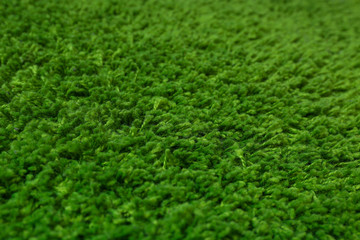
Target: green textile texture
(179, 119)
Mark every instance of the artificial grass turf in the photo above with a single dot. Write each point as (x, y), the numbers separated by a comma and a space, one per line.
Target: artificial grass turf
(179, 119)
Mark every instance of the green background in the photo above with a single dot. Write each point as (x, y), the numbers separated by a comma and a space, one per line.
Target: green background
(186, 119)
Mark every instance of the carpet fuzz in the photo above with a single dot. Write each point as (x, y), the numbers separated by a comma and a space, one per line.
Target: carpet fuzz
(188, 119)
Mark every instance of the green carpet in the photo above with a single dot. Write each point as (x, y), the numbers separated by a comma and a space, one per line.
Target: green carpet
(188, 119)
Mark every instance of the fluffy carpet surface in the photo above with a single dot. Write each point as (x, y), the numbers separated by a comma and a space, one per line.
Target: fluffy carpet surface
(186, 119)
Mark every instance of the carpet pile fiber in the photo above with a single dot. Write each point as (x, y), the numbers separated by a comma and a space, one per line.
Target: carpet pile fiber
(189, 119)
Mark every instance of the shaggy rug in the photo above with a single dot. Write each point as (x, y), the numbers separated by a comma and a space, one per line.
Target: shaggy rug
(188, 119)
